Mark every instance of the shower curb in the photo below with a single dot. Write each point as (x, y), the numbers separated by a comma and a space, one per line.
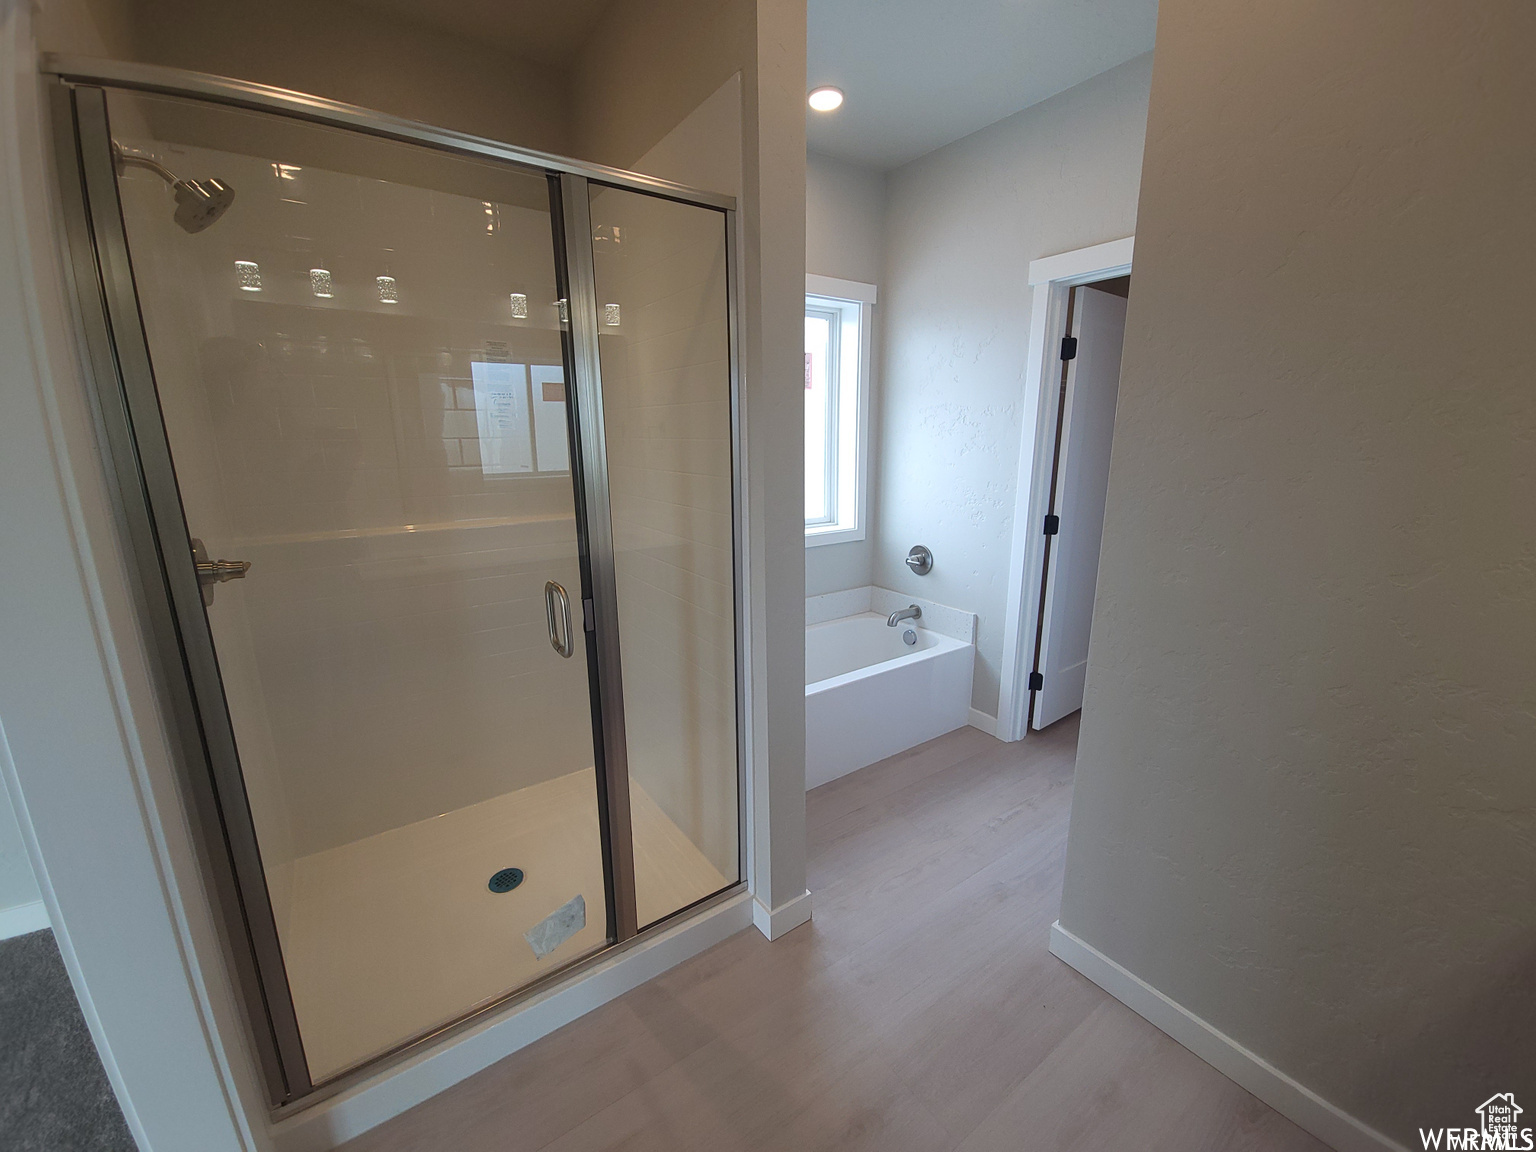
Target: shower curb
(340, 1118)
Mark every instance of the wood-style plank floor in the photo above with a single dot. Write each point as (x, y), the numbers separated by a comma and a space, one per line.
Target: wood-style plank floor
(919, 1009)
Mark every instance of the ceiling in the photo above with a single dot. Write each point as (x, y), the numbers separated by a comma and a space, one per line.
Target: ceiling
(921, 73)
(527, 29)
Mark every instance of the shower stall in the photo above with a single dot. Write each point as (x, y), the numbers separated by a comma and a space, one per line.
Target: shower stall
(425, 457)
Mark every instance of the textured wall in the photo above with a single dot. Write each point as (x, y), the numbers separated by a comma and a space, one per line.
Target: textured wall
(17, 884)
(962, 225)
(1305, 802)
(844, 219)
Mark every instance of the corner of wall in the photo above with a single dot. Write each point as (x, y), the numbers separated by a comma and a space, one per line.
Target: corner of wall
(646, 66)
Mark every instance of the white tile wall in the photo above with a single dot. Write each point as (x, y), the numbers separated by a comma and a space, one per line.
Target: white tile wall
(946, 621)
(836, 605)
(952, 622)
(386, 660)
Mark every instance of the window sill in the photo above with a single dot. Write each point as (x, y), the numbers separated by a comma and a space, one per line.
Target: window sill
(815, 537)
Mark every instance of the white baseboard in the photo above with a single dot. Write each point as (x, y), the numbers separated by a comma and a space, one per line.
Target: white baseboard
(785, 918)
(333, 1122)
(985, 721)
(23, 918)
(1295, 1101)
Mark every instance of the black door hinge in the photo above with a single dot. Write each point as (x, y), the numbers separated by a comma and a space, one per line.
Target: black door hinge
(1036, 681)
(1069, 347)
(588, 616)
(1052, 524)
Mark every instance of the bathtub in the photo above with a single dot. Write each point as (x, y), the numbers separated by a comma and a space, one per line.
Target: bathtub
(868, 695)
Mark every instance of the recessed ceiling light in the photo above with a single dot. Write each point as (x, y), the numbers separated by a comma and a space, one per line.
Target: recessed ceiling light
(826, 98)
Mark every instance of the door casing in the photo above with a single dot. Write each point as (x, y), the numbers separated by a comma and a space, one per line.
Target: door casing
(1085, 424)
(1051, 279)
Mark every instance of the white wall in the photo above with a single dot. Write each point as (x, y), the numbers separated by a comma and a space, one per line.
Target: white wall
(962, 225)
(645, 68)
(17, 884)
(704, 150)
(1305, 804)
(364, 54)
(773, 272)
(844, 219)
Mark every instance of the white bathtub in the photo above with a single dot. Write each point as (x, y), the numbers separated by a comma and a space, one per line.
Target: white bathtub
(868, 695)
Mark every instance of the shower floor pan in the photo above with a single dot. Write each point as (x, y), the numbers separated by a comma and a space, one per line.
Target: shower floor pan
(387, 937)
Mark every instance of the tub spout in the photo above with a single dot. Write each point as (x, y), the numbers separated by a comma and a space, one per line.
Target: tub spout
(913, 612)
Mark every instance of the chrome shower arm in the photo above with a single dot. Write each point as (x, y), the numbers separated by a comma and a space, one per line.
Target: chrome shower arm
(198, 202)
(133, 158)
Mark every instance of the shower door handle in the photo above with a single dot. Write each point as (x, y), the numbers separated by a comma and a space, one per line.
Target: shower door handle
(559, 629)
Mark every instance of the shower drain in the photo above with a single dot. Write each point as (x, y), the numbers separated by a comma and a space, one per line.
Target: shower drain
(506, 880)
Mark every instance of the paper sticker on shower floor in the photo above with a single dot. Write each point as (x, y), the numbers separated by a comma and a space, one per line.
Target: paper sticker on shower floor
(558, 927)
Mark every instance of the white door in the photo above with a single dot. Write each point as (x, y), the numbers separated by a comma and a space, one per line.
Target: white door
(1082, 479)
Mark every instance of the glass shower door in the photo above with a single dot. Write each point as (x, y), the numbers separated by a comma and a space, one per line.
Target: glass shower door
(661, 278)
(358, 351)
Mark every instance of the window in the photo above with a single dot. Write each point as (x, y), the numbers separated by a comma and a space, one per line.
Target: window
(837, 315)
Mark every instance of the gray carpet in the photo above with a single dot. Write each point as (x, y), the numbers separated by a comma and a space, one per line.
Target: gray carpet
(54, 1095)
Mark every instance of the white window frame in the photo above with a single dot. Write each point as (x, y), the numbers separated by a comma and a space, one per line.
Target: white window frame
(853, 302)
(836, 315)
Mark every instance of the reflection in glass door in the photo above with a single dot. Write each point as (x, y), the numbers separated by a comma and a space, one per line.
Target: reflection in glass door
(360, 371)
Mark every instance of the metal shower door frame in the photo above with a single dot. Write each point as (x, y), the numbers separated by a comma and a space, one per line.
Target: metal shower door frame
(147, 500)
(168, 596)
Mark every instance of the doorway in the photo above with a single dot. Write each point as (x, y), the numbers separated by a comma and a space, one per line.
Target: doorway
(1079, 483)
(425, 456)
(1039, 491)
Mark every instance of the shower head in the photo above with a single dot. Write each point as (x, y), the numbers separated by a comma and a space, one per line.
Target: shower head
(198, 202)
